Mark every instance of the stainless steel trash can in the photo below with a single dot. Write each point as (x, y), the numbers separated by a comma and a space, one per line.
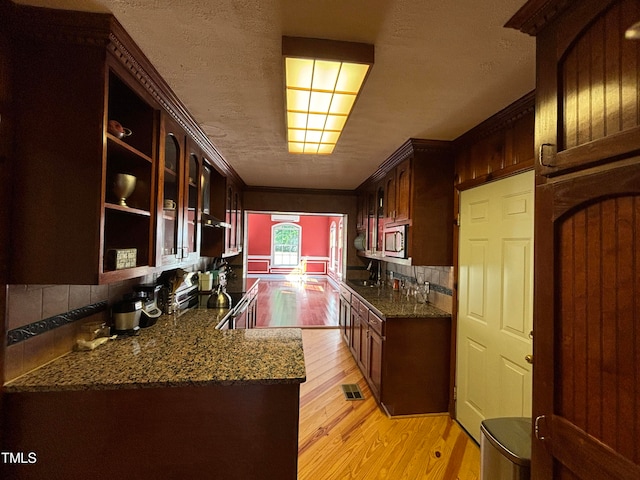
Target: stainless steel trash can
(505, 449)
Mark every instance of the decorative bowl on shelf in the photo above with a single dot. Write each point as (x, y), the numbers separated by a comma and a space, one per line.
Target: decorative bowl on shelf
(123, 187)
(117, 130)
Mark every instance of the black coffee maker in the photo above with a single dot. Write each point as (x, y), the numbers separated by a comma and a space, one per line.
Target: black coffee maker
(149, 293)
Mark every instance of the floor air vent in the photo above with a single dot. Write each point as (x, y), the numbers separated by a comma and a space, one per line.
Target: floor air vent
(352, 392)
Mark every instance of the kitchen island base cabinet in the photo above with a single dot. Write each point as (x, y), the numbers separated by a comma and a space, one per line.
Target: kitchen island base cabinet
(202, 432)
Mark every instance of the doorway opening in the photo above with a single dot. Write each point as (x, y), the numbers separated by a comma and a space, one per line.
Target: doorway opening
(300, 259)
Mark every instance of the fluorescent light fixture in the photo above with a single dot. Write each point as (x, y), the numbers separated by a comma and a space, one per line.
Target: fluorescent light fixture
(322, 81)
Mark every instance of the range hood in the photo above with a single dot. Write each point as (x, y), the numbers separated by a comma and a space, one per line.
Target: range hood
(211, 221)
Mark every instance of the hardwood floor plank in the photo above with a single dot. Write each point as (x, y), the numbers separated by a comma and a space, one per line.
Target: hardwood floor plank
(313, 302)
(356, 440)
(342, 439)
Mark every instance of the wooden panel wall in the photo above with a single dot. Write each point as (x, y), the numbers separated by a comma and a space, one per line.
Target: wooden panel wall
(499, 146)
(598, 276)
(599, 79)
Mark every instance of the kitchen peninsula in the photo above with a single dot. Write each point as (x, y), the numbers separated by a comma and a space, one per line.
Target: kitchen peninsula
(180, 400)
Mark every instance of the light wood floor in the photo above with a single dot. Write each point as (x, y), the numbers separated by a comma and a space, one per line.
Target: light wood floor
(310, 303)
(342, 439)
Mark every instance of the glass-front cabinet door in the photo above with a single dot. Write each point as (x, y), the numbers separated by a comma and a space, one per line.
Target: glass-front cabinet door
(192, 210)
(171, 192)
(237, 209)
(230, 218)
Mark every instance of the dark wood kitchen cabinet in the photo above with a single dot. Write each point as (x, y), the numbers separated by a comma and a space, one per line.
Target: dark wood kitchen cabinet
(213, 205)
(179, 194)
(417, 191)
(424, 194)
(374, 348)
(405, 360)
(234, 217)
(172, 432)
(398, 193)
(193, 198)
(69, 224)
(374, 200)
(345, 315)
(372, 220)
(222, 233)
(587, 238)
(587, 99)
(171, 192)
(75, 72)
(358, 338)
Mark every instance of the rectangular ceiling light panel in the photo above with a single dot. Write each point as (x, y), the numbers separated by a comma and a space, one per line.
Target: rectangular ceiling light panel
(321, 89)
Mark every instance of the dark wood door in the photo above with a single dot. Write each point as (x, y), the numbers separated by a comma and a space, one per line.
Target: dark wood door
(354, 341)
(345, 319)
(586, 388)
(360, 340)
(390, 195)
(403, 197)
(587, 326)
(587, 90)
(171, 186)
(374, 361)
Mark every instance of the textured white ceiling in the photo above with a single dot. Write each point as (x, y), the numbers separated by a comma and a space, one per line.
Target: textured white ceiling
(441, 67)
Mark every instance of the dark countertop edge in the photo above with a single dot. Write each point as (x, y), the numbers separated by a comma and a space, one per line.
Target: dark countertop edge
(148, 386)
(297, 376)
(357, 290)
(400, 316)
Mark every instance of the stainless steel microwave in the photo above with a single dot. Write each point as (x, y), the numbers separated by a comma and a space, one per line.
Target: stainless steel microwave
(395, 241)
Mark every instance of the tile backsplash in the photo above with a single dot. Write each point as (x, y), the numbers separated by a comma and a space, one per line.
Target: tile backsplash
(440, 281)
(31, 304)
(28, 304)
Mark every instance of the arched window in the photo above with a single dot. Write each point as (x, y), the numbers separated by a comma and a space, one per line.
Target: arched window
(285, 241)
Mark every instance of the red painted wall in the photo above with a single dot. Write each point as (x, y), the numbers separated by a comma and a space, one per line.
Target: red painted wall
(315, 234)
(259, 234)
(314, 243)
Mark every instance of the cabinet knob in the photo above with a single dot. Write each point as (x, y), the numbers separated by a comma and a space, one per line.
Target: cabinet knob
(529, 359)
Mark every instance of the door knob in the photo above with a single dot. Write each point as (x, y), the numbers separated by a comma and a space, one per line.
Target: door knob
(529, 359)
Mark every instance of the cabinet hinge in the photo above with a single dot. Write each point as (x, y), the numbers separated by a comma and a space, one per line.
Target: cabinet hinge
(455, 393)
(457, 221)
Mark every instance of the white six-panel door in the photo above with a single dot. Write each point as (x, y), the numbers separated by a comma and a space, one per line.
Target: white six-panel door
(495, 301)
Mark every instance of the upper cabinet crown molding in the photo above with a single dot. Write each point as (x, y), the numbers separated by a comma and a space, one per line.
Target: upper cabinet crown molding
(500, 121)
(535, 14)
(403, 152)
(104, 194)
(104, 30)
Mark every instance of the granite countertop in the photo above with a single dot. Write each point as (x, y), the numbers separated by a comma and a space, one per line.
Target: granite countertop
(187, 351)
(392, 304)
